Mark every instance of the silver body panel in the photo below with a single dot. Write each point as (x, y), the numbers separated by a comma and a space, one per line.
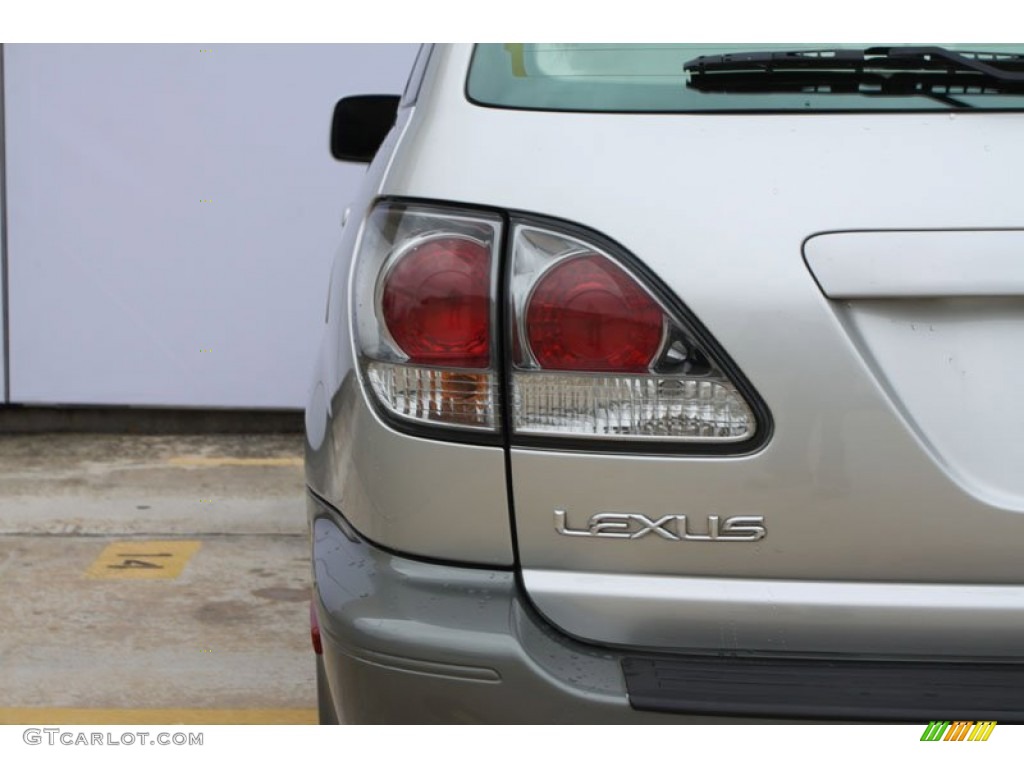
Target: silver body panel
(422, 497)
(890, 486)
(890, 265)
(772, 615)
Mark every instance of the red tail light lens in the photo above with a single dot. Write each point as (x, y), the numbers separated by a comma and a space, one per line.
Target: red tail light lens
(423, 308)
(586, 314)
(436, 302)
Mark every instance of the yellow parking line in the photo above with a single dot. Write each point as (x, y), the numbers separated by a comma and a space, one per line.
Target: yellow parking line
(229, 461)
(62, 716)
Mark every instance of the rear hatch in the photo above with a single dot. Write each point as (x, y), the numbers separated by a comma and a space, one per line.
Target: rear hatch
(865, 273)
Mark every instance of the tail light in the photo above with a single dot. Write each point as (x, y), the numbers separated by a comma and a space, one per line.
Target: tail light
(598, 353)
(593, 348)
(424, 312)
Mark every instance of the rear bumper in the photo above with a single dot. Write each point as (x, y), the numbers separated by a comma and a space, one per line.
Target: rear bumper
(405, 641)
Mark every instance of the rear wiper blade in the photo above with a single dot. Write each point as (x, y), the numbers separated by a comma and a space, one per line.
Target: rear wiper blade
(940, 87)
(998, 67)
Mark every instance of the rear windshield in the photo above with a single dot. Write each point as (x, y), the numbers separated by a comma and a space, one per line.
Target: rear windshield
(651, 78)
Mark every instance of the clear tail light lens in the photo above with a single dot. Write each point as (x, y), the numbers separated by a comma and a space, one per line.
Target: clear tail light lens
(597, 354)
(418, 393)
(424, 313)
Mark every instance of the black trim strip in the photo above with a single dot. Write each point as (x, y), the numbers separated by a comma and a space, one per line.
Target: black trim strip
(504, 373)
(827, 689)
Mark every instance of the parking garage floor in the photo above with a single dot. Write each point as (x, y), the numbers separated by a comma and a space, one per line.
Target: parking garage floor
(154, 579)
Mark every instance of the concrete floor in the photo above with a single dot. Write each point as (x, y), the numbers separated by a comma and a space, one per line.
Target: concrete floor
(122, 639)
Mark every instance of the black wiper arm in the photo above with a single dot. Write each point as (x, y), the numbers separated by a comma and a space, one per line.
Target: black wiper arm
(937, 86)
(1000, 67)
(969, 60)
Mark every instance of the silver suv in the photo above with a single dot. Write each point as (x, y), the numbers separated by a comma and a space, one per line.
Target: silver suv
(675, 383)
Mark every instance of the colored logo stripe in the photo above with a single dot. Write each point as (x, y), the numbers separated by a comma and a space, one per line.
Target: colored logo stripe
(959, 730)
(935, 730)
(982, 730)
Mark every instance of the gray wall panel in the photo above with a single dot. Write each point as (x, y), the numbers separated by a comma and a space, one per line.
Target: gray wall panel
(126, 285)
(3, 241)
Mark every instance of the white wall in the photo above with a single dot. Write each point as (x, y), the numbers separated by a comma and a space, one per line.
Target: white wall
(125, 287)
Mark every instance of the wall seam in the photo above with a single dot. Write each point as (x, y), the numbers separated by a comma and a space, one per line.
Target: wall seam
(5, 298)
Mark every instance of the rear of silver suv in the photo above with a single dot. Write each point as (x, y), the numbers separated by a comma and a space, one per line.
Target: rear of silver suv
(676, 383)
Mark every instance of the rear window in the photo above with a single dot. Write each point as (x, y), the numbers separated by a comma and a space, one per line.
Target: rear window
(651, 78)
